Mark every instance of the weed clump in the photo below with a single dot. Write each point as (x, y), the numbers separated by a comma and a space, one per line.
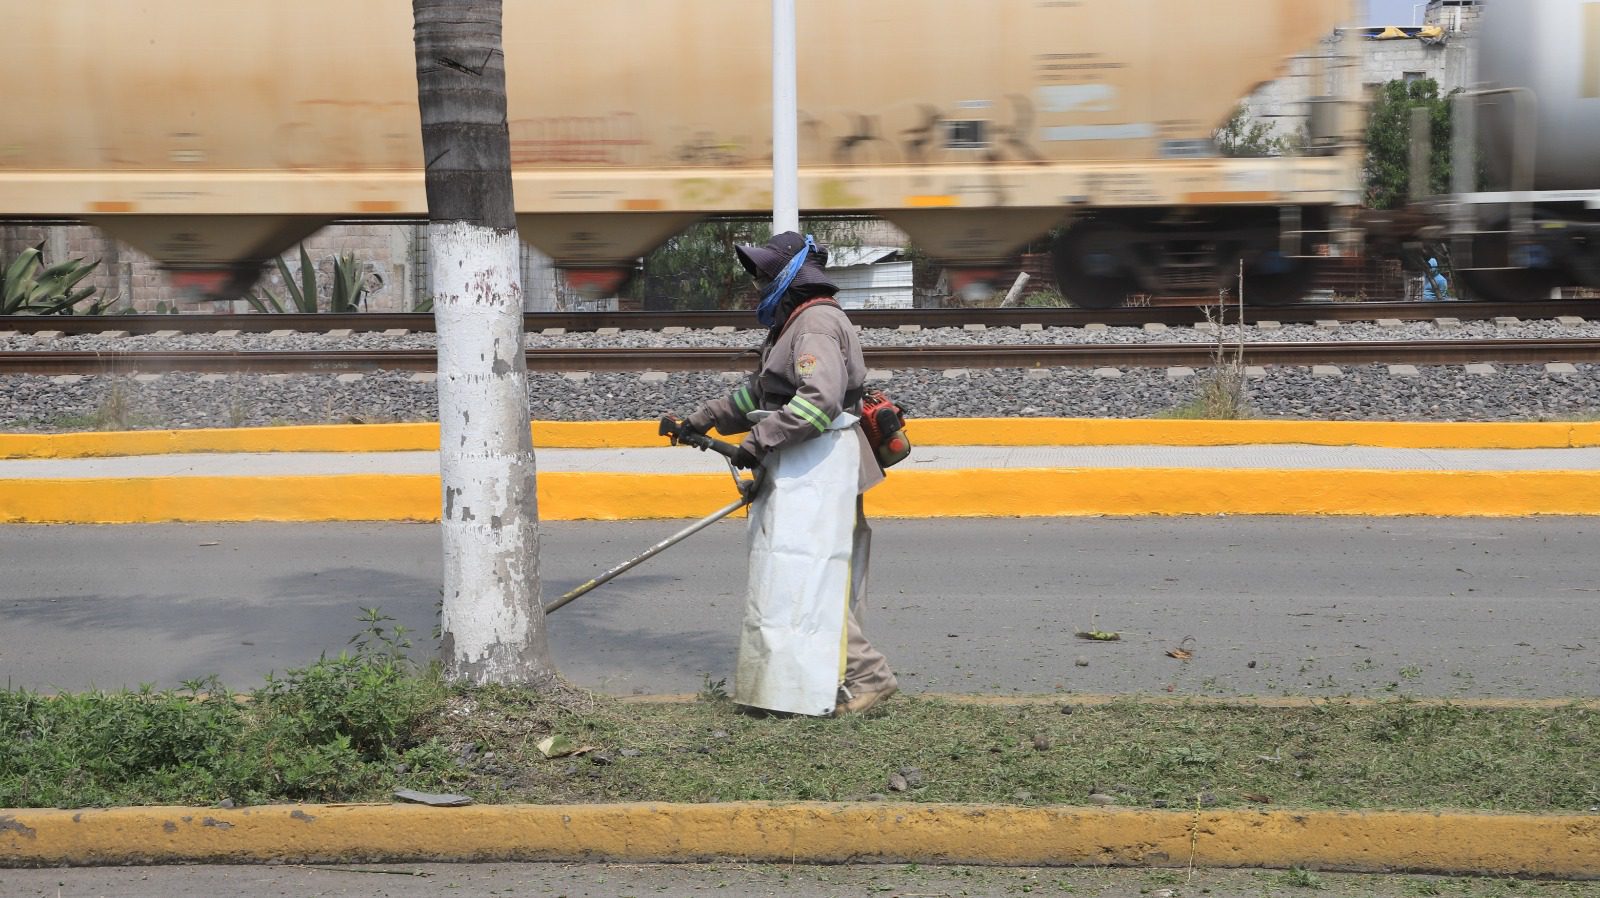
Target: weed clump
(339, 727)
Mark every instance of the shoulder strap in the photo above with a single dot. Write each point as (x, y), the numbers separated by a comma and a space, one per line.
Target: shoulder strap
(819, 301)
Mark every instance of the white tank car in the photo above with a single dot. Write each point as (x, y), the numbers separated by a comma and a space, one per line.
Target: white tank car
(1528, 222)
(1552, 49)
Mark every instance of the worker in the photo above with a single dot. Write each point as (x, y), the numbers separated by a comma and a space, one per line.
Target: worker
(1434, 284)
(801, 649)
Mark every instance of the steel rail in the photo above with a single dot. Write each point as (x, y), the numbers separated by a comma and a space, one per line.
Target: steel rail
(534, 322)
(1438, 352)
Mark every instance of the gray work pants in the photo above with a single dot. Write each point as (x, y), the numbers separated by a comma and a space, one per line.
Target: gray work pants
(866, 670)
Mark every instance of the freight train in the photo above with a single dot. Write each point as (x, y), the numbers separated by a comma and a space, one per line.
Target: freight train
(1524, 214)
(213, 136)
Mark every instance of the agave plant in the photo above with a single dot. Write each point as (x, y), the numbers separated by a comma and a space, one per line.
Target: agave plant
(30, 287)
(349, 290)
(345, 295)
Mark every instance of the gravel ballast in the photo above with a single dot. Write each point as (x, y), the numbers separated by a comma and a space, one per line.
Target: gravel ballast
(1364, 393)
(1354, 393)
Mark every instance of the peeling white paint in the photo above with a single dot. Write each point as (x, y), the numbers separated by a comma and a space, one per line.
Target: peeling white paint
(493, 626)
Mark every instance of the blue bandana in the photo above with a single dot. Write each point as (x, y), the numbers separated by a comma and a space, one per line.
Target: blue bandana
(767, 311)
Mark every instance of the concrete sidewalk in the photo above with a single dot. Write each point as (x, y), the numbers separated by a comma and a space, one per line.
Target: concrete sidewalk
(938, 481)
(681, 460)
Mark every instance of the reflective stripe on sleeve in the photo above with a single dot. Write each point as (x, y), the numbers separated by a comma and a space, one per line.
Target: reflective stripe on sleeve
(802, 407)
(744, 401)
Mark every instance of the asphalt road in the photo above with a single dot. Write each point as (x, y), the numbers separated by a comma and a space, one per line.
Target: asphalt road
(800, 881)
(1326, 607)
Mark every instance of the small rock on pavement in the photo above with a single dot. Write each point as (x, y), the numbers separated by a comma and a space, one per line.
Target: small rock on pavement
(897, 783)
(1080, 661)
(1101, 798)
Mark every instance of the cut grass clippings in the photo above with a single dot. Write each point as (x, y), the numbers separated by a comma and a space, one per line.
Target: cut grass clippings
(358, 727)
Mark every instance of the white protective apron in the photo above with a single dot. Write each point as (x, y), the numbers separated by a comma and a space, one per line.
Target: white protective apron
(792, 642)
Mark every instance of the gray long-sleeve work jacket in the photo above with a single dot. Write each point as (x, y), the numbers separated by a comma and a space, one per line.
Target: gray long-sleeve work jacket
(812, 373)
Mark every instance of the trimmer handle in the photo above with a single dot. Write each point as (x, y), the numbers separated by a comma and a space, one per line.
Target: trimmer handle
(671, 427)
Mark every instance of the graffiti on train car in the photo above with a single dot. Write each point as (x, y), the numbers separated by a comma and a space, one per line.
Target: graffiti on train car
(927, 134)
(606, 140)
(705, 149)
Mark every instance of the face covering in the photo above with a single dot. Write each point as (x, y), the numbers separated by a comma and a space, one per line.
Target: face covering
(767, 311)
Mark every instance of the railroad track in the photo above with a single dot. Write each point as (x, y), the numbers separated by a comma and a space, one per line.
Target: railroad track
(1146, 355)
(872, 318)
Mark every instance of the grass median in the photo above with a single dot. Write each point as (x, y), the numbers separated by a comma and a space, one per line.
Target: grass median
(357, 727)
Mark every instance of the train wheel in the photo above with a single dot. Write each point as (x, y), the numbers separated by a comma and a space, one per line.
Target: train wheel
(1089, 271)
(1511, 284)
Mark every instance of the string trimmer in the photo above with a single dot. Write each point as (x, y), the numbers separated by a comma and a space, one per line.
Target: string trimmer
(673, 428)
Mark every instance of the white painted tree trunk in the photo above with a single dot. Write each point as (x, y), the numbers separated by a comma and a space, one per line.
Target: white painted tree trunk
(493, 625)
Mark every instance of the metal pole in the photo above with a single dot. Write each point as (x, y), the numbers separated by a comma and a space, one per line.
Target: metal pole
(785, 113)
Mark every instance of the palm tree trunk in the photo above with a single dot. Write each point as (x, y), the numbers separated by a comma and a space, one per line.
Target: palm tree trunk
(492, 624)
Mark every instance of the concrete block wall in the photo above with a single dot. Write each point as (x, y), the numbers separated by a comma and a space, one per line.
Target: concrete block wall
(393, 257)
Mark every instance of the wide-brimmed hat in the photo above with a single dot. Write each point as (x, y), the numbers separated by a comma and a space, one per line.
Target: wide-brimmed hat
(771, 258)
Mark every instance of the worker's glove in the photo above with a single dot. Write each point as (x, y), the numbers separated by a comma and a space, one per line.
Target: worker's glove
(699, 422)
(695, 425)
(744, 458)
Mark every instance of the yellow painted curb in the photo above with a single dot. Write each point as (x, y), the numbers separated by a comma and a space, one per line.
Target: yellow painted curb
(1053, 492)
(1560, 846)
(923, 432)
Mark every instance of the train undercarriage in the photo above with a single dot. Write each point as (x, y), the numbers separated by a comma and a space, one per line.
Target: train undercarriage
(1101, 261)
(1509, 254)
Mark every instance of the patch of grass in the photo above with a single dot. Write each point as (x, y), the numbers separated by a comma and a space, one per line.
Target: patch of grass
(1219, 399)
(1301, 878)
(355, 727)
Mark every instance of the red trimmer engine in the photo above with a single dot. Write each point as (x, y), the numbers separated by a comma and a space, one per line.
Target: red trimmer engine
(885, 424)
